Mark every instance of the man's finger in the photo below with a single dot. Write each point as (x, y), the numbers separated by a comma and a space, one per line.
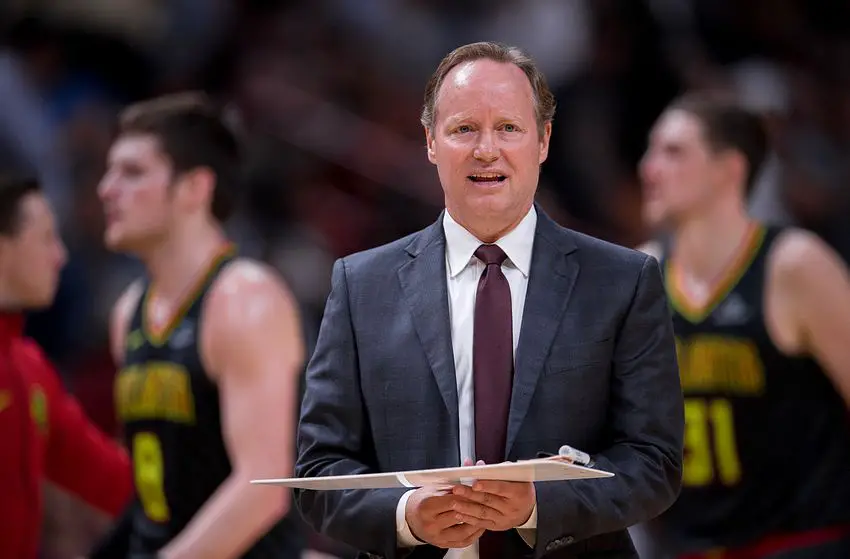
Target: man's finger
(506, 489)
(458, 533)
(445, 520)
(437, 504)
(491, 500)
(482, 524)
(476, 509)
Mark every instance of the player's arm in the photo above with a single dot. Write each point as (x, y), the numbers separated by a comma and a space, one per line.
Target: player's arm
(252, 344)
(80, 458)
(813, 290)
(119, 320)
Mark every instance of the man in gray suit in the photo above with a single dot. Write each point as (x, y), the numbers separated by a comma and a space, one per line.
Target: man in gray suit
(492, 335)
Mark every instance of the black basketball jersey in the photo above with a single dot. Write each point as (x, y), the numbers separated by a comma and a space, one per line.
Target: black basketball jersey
(171, 417)
(767, 437)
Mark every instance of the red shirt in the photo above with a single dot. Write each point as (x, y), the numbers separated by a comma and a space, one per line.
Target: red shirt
(45, 434)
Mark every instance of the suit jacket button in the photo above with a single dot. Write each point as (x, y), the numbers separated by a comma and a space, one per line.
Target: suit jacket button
(568, 540)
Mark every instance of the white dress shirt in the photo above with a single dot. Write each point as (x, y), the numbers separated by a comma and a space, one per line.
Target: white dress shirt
(463, 271)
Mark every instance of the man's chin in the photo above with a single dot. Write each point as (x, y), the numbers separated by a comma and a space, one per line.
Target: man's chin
(41, 302)
(116, 243)
(653, 218)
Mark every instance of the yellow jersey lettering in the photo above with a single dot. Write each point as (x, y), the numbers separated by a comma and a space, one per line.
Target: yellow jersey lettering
(149, 474)
(711, 451)
(714, 368)
(156, 390)
(711, 364)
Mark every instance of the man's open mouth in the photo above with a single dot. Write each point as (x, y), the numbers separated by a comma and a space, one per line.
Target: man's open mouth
(486, 178)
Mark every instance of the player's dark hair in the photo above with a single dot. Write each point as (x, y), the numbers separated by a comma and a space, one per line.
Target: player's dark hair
(544, 100)
(727, 125)
(12, 191)
(192, 134)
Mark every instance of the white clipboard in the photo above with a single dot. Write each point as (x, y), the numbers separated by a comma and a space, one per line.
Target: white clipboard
(554, 468)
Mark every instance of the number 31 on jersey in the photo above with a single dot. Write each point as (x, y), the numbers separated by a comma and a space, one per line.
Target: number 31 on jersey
(711, 452)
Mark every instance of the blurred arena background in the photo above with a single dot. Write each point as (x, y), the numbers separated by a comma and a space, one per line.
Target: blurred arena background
(327, 95)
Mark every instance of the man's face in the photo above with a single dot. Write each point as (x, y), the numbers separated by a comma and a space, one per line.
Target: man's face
(485, 141)
(32, 258)
(135, 192)
(678, 170)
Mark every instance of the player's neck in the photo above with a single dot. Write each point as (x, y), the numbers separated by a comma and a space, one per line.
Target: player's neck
(703, 245)
(182, 258)
(9, 301)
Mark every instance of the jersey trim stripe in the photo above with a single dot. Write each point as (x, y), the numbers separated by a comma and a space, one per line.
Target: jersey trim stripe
(696, 313)
(159, 336)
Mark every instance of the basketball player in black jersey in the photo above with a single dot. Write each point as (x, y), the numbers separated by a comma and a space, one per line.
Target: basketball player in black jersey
(209, 347)
(762, 319)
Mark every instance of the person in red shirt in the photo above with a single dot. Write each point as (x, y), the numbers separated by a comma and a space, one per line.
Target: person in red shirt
(44, 431)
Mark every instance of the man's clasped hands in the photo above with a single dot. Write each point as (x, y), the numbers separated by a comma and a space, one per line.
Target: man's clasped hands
(456, 516)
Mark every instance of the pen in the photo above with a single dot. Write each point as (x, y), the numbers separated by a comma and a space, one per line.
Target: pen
(575, 456)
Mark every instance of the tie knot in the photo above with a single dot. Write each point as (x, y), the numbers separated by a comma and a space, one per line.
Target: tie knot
(491, 254)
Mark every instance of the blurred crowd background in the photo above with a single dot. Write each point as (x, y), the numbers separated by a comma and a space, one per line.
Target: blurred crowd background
(327, 93)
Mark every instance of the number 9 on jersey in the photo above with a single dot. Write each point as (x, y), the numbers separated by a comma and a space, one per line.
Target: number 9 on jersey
(149, 474)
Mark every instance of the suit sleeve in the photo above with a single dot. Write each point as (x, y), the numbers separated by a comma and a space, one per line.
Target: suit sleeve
(646, 422)
(334, 437)
(80, 458)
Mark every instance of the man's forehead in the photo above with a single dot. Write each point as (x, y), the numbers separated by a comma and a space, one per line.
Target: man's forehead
(131, 146)
(35, 208)
(676, 125)
(484, 77)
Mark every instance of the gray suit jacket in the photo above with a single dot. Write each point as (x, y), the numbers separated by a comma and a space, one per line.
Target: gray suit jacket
(595, 368)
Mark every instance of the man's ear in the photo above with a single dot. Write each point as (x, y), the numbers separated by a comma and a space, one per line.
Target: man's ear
(429, 144)
(198, 187)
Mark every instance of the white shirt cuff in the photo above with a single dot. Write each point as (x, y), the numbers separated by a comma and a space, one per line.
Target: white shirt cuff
(403, 533)
(528, 531)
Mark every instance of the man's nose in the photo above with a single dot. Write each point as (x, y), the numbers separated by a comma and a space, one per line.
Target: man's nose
(61, 254)
(104, 187)
(487, 148)
(647, 168)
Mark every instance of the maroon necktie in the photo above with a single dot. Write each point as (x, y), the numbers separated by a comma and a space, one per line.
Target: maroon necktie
(492, 371)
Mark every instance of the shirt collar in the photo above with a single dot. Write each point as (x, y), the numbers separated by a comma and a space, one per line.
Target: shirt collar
(517, 244)
(11, 325)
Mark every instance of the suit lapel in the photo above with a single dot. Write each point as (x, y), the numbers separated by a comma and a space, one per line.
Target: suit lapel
(423, 281)
(551, 280)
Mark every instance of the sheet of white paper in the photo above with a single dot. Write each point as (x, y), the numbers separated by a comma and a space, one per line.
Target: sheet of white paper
(540, 469)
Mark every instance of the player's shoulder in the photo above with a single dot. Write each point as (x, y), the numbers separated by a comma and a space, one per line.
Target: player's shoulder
(28, 351)
(796, 252)
(122, 313)
(248, 300)
(245, 291)
(127, 302)
(245, 279)
(38, 373)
